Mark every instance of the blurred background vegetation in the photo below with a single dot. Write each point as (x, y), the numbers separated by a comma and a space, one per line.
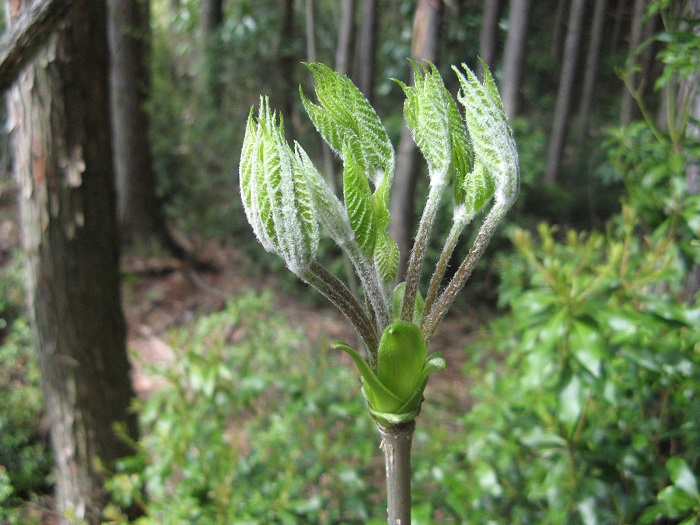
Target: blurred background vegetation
(583, 404)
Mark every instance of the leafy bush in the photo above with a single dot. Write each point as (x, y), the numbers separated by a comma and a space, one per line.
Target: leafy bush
(253, 426)
(25, 462)
(592, 389)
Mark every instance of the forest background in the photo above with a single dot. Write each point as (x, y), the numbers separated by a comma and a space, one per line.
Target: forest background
(571, 394)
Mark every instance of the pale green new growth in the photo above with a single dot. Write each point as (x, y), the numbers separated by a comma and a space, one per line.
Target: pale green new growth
(276, 197)
(285, 198)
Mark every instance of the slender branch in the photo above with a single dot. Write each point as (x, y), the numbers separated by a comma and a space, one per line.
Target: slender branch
(461, 219)
(335, 291)
(27, 34)
(396, 445)
(421, 243)
(369, 278)
(433, 317)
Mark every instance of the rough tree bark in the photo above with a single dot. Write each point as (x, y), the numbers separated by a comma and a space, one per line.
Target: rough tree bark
(426, 38)
(514, 55)
(59, 112)
(367, 49)
(139, 211)
(488, 36)
(29, 30)
(566, 81)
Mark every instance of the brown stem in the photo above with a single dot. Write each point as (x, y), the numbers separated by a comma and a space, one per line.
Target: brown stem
(336, 291)
(396, 445)
(433, 317)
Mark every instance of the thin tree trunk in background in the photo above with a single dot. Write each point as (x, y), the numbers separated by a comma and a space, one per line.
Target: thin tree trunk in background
(346, 37)
(59, 113)
(310, 23)
(212, 18)
(629, 107)
(514, 55)
(367, 49)
(592, 60)
(212, 15)
(286, 59)
(559, 26)
(568, 73)
(488, 37)
(617, 26)
(139, 212)
(425, 46)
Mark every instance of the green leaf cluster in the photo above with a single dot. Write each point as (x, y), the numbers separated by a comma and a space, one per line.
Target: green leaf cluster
(285, 198)
(591, 389)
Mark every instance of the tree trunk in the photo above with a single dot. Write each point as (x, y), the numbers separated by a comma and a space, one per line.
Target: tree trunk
(514, 55)
(629, 107)
(212, 19)
(139, 212)
(27, 35)
(59, 112)
(594, 43)
(488, 37)
(212, 16)
(426, 37)
(367, 49)
(286, 59)
(617, 26)
(310, 30)
(346, 37)
(568, 72)
(559, 24)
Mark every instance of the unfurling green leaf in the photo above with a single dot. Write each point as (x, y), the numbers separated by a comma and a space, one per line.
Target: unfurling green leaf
(386, 257)
(358, 202)
(477, 189)
(386, 252)
(426, 111)
(461, 149)
(275, 193)
(345, 116)
(490, 133)
(329, 210)
(397, 301)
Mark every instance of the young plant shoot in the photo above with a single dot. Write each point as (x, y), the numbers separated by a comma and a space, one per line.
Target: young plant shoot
(286, 200)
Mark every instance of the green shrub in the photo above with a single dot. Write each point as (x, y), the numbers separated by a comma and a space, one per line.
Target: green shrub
(589, 386)
(25, 461)
(253, 426)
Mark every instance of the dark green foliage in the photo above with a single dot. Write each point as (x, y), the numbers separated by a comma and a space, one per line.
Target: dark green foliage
(25, 462)
(593, 386)
(253, 426)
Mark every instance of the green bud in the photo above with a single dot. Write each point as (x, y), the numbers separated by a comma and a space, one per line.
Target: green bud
(402, 353)
(275, 192)
(395, 392)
